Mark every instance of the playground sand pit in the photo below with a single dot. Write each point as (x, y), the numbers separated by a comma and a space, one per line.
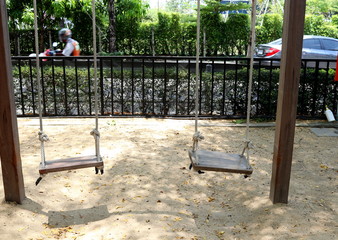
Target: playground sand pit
(148, 192)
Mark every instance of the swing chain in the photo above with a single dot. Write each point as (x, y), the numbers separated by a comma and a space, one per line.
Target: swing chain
(43, 136)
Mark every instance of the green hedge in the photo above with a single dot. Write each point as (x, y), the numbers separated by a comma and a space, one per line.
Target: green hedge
(269, 28)
(175, 34)
(316, 25)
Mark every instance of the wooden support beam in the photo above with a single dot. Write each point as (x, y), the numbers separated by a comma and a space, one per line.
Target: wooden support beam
(9, 137)
(293, 30)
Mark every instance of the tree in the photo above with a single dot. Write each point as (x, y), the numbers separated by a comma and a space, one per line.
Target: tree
(17, 19)
(237, 30)
(77, 15)
(112, 25)
(215, 6)
(214, 25)
(47, 20)
(21, 14)
(318, 7)
(162, 33)
(181, 6)
(271, 28)
(129, 14)
(16, 11)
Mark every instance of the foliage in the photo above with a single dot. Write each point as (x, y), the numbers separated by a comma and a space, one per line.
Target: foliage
(77, 15)
(313, 24)
(211, 23)
(53, 15)
(321, 18)
(175, 33)
(325, 8)
(162, 33)
(271, 28)
(215, 6)
(335, 20)
(129, 16)
(236, 32)
(19, 14)
(316, 25)
(230, 36)
(329, 30)
(181, 6)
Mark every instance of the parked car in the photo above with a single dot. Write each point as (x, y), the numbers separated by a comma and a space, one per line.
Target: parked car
(314, 47)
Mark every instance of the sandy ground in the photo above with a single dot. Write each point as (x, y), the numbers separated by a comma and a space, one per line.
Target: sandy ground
(147, 191)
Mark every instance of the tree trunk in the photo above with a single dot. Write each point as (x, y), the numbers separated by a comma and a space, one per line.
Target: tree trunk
(112, 26)
(41, 30)
(50, 38)
(18, 42)
(130, 46)
(41, 40)
(100, 42)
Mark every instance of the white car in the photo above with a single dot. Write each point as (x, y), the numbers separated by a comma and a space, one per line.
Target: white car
(314, 47)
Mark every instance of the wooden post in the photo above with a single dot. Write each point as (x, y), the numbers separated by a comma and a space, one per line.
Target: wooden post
(293, 28)
(9, 138)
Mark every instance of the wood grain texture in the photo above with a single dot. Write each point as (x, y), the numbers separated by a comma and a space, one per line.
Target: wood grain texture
(219, 162)
(70, 164)
(9, 139)
(293, 27)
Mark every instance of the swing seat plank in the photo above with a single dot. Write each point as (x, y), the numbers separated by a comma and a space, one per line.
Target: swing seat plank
(219, 162)
(70, 164)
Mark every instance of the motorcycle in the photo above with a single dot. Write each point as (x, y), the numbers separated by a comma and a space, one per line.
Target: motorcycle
(46, 53)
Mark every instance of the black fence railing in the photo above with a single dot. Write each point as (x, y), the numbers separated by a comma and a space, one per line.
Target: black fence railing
(165, 86)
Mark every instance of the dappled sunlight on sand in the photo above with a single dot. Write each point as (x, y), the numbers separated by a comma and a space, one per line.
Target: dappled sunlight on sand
(258, 202)
(148, 192)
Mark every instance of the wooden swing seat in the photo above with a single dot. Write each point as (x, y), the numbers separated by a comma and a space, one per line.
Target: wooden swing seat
(203, 160)
(70, 164)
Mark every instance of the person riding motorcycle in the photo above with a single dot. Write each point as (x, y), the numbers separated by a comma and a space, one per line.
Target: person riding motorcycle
(72, 46)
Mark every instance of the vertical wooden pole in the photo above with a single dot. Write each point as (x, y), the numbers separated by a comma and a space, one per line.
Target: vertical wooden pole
(293, 28)
(9, 139)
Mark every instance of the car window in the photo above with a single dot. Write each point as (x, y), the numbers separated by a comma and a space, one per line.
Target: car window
(330, 44)
(312, 43)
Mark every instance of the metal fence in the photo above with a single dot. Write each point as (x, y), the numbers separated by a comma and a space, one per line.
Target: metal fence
(164, 86)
